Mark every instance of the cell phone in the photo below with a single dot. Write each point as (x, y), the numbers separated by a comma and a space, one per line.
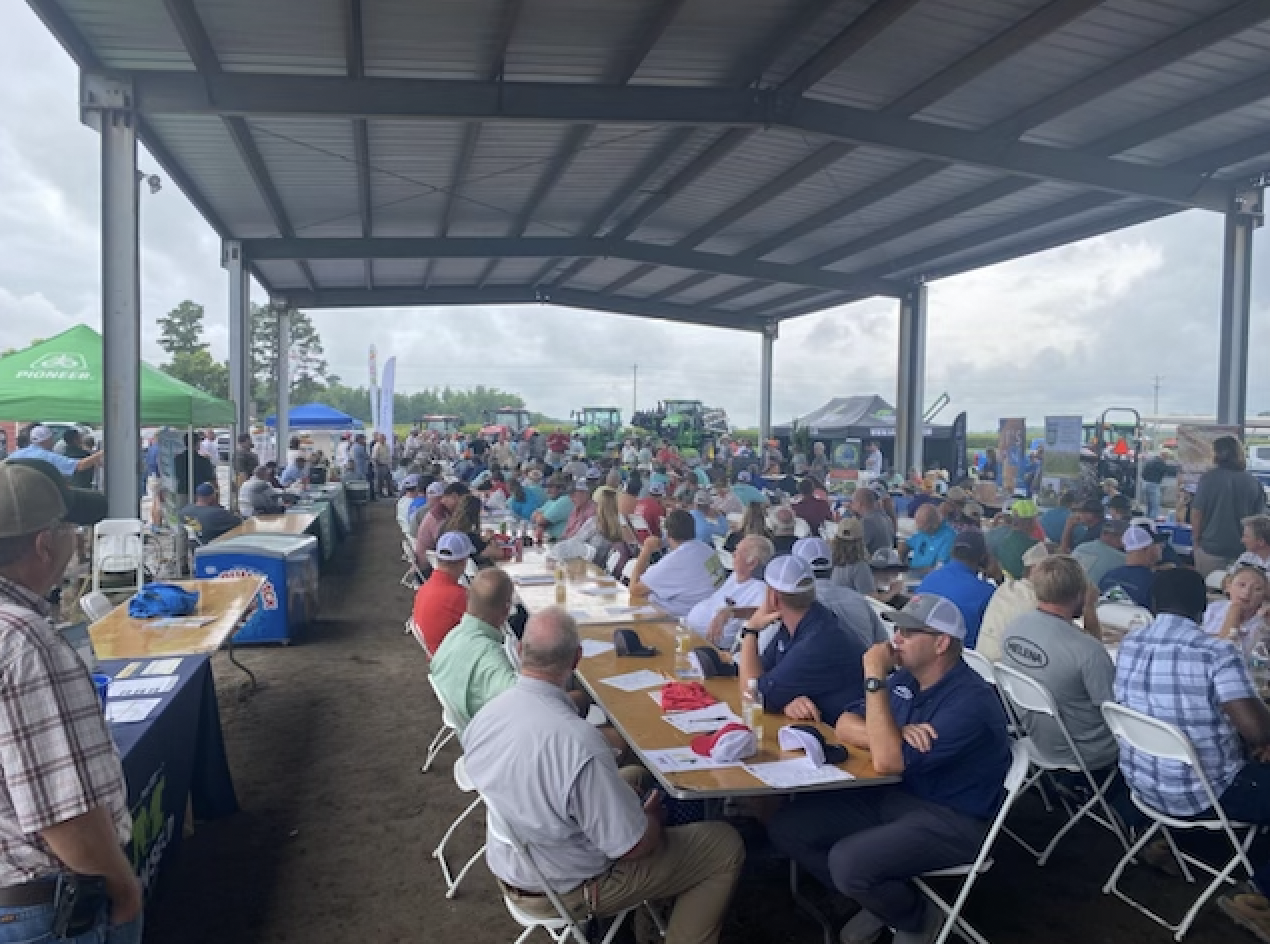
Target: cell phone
(79, 903)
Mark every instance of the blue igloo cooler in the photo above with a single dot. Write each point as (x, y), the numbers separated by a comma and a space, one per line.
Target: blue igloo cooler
(289, 564)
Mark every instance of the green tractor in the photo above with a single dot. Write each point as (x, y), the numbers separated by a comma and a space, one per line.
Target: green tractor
(689, 425)
(600, 428)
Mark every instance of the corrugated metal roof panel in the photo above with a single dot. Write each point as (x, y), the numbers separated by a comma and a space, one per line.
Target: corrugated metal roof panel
(129, 34)
(282, 274)
(609, 155)
(571, 40)
(457, 271)
(509, 160)
(515, 271)
(338, 273)
(281, 36)
(399, 273)
(708, 39)
(312, 166)
(601, 273)
(833, 18)
(442, 39)
(707, 289)
(1218, 131)
(411, 171)
(204, 149)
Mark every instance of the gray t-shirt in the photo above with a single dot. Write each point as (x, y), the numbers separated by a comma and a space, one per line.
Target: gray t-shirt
(879, 531)
(1225, 497)
(854, 613)
(1078, 673)
(858, 577)
(1098, 557)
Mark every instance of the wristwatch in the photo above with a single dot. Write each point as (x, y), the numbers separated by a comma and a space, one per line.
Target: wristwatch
(874, 685)
(748, 631)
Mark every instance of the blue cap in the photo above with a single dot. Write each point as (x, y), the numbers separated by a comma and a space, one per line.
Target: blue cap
(207, 488)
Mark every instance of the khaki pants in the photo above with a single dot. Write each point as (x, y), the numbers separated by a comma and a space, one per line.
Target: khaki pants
(696, 865)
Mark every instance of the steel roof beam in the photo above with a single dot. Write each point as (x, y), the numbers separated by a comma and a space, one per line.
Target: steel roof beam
(857, 34)
(619, 73)
(199, 48)
(510, 247)
(356, 67)
(517, 295)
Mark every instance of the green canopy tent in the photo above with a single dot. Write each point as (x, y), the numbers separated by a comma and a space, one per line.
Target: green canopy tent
(61, 379)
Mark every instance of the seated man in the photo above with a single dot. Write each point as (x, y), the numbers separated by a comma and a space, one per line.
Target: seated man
(440, 602)
(1103, 554)
(596, 833)
(710, 523)
(685, 576)
(1054, 520)
(1018, 537)
(409, 492)
(812, 508)
(716, 617)
(1047, 645)
(258, 496)
(652, 509)
(553, 515)
(297, 472)
(932, 544)
(1083, 524)
(784, 529)
(940, 727)
(745, 491)
(1142, 553)
(879, 529)
(471, 667)
(433, 520)
(205, 518)
(1175, 672)
(810, 671)
(854, 612)
(1012, 599)
(959, 581)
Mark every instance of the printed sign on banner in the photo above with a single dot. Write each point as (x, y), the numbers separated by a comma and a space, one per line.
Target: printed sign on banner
(384, 417)
(1011, 441)
(171, 442)
(1061, 466)
(1195, 450)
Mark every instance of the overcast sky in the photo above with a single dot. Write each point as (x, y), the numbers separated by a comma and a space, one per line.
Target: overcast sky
(1074, 330)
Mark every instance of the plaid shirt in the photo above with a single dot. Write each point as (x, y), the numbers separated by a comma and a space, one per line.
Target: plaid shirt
(57, 760)
(1173, 671)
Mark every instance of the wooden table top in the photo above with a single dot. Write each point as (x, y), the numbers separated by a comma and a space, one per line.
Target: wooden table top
(592, 597)
(639, 720)
(289, 523)
(226, 601)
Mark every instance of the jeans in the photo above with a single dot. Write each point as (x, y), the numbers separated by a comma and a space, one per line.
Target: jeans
(31, 925)
(1151, 495)
(868, 844)
(1248, 799)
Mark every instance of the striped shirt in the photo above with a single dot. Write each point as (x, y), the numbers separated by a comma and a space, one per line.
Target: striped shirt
(1175, 672)
(57, 760)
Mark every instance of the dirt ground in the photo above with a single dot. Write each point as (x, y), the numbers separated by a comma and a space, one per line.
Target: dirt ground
(337, 827)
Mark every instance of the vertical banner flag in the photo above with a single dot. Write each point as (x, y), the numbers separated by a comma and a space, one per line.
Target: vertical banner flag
(372, 364)
(960, 468)
(171, 442)
(383, 421)
(1060, 467)
(1010, 443)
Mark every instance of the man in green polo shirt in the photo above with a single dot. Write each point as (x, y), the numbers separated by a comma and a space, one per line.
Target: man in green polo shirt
(471, 666)
(1019, 537)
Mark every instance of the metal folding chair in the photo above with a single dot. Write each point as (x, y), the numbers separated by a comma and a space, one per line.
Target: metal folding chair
(119, 554)
(1026, 694)
(465, 784)
(1014, 781)
(1165, 742)
(449, 727)
(413, 578)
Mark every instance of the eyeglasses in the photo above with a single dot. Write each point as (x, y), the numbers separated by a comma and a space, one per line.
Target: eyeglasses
(910, 631)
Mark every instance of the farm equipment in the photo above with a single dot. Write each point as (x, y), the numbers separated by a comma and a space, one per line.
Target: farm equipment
(445, 425)
(511, 420)
(686, 424)
(600, 427)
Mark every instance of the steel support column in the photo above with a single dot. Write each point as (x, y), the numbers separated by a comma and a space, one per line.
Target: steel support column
(239, 353)
(770, 331)
(283, 313)
(107, 105)
(1246, 213)
(912, 381)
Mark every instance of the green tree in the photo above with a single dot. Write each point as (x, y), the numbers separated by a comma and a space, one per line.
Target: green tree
(181, 329)
(198, 369)
(308, 366)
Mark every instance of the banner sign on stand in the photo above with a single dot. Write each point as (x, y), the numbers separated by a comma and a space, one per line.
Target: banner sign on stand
(1011, 440)
(170, 442)
(1195, 450)
(384, 418)
(960, 466)
(372, 363)
(1060, 469)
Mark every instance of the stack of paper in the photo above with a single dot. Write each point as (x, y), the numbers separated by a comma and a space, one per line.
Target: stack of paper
(595, 647)
(130, 710)
(702, 720)
(152, 685)
(673, 760)
(634, 681)
(798, 772)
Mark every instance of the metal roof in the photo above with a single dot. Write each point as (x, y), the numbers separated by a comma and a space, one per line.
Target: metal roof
(706, 161)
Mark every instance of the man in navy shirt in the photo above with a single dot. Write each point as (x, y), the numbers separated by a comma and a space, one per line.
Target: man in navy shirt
(811, 669)
(939, 727)
(959, 581)
(1142, 553)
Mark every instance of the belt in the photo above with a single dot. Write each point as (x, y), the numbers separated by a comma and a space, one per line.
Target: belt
(520, 892)
(39, 892)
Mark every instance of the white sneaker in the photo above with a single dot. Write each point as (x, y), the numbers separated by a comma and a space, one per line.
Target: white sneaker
(864, 928)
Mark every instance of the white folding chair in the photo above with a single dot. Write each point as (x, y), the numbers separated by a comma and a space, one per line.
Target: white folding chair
(465, 784)
(801, 528)
(449, 727)
(511, 645)
(983, 667)
(1166, 743)
(1014, 780)
(96, 606)
(980, 664)
(829, 530)
(1026, 694)
(413, 578)
(561, 927)
(119, 552)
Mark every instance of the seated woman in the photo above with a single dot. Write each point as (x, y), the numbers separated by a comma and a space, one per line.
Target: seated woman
(1241, 617)
(606, 532)
(466, 517)
(851, 566)
(754, 521)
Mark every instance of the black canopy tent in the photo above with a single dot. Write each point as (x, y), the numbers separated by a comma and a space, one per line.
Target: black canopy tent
(862, 418)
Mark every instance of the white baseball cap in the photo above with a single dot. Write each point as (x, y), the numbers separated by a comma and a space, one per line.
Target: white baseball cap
(929, 611)
(454, 545)
(41, 434)
(815, 551)
(731, 743)
(789, 574)
(435, 490)
(1137, 538)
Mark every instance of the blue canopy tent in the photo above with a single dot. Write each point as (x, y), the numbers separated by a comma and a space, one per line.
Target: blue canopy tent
(317, 416)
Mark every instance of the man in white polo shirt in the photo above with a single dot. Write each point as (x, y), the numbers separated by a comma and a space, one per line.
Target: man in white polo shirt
(685, 576)
(595, 834)
(719, 616)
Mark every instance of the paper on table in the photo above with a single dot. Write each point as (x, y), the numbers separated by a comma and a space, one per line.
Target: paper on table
(634, 681)
(645, 610)
(702, 720)
(595, 647)
(131, 710)
(671, 760)
(180, 622)
(162, 667)
(798, 772)
(155, 685)
(599, 590)
(534, 580)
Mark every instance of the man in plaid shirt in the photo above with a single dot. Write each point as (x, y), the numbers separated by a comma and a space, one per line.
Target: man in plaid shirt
(1175, 672)
(63, 801)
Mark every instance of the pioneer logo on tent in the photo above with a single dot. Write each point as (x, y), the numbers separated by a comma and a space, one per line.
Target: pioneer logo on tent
(63, 366)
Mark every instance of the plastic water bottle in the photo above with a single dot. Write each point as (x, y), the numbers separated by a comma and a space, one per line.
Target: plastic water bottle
(752, 708)
(683, 652)
(562, 590)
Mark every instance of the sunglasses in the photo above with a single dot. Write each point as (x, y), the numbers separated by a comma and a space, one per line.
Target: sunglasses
(908, 632)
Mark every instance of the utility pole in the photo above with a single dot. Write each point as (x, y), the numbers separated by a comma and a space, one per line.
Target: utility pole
(1158, 378)
(634, 389)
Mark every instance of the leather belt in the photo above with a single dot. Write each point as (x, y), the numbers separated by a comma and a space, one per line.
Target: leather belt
(39, 892)
(520, 892)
